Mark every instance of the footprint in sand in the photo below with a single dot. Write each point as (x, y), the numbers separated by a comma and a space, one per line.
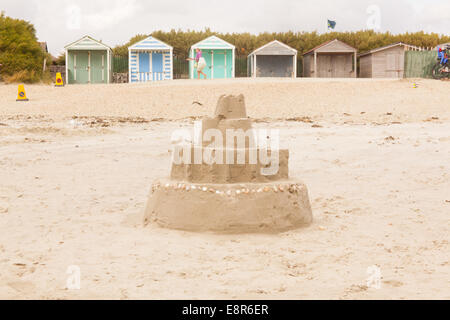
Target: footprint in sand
(393, 283)
(22, 286)
(356, 288)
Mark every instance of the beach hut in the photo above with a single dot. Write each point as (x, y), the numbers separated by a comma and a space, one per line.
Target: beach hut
(332, 59)
(274, 59)
(88, 61)
(219, 56)
(385, 62)
(443, 45)
(150, 60)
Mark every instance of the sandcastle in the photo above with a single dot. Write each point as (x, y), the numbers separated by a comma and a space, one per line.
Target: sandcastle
(213, 187)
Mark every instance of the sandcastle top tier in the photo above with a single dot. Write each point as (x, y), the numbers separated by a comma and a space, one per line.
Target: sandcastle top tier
(231, 107)
(228, 150)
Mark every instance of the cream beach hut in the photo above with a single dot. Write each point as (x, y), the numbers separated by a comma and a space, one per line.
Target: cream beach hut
(274, 59)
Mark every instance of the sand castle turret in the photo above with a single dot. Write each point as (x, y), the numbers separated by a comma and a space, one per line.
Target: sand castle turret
(229, 178)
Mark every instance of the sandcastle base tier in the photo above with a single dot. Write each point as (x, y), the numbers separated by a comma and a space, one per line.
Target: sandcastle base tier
(230, 208)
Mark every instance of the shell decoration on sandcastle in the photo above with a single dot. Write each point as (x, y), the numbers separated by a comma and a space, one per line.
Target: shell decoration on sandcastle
(205, 192)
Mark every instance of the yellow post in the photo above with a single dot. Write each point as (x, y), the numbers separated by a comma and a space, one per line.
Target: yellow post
(21, 95)
(59, 81)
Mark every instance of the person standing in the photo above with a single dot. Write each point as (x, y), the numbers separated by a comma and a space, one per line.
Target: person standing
(200, 63)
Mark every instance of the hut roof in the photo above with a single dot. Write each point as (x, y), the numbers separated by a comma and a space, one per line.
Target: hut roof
(87, 43)
(213, 42)
(150, 43)
(388, 47)
(274, 48)
(442, 45)
(344, 47)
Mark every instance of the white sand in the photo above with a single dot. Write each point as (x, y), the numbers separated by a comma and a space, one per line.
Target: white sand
(333, 101)
(73, 193)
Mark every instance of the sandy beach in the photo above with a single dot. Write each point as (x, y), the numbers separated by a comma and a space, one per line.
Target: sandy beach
(76, 165)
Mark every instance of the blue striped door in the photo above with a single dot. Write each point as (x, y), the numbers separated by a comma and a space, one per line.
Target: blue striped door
(144, 62)
(157, 66)
(157, 62)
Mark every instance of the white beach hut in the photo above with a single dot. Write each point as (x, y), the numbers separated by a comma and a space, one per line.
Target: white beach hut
(274, 59)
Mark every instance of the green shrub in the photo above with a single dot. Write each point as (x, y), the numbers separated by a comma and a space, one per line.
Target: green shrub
(47, 77)
(23, 76)
(60, 60)
(21, 56)
(363, 40)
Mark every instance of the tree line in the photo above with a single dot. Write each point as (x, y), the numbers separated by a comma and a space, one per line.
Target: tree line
(22, 59)
(21, 56)
(245, 43)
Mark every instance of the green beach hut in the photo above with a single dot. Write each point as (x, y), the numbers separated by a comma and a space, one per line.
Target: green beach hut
(219, 56)
(88, 61)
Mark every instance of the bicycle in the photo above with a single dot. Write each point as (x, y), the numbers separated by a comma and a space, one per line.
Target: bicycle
(442, 67)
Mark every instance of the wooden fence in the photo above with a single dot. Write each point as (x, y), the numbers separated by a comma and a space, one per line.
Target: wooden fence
(419, 64)
(181, 66)
(60, 69)
(120, 64)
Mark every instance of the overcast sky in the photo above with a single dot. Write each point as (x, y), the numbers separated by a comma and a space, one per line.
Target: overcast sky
(59, 22)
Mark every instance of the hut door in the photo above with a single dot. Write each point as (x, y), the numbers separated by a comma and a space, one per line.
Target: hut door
(144, 66)
(393, 65)
(157, 66)
(98, 62)
(220, 64)
(81, 66)
(324, 66)
(338, 67)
